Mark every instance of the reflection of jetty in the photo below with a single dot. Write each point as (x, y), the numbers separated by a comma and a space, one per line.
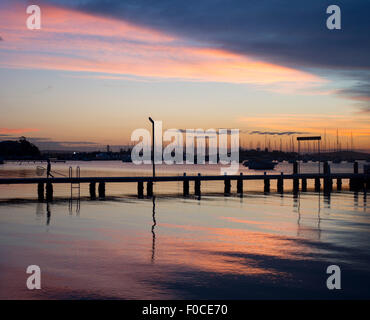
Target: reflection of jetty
(357, 181)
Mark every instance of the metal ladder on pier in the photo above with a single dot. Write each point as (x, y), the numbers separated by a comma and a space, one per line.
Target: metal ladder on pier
(75, 185)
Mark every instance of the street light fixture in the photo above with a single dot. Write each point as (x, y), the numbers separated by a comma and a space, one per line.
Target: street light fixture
(152, 121)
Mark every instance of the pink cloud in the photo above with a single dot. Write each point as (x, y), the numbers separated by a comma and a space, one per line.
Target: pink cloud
(17, 131)
(74, 41)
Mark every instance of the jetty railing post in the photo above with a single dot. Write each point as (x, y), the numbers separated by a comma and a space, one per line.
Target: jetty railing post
(92, 189)
(140, 189)
(227, 184)
(40, 191)
(101, 189)
(197, 186)
(149, 189)
(266, 184)
(186, 187)
(239, 185)
(280, 184)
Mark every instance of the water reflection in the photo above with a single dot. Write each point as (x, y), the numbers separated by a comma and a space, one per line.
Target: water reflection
(39, 209)
(365, 201)
(153, 231)
(48, 213)
(355, 199)
(71, 203)
(302, 230)
(327, 199)
(259, 247)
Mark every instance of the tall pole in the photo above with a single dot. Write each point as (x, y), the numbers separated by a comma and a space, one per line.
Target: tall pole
(152, 121)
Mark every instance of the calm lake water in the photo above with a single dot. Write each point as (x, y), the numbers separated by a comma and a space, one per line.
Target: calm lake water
(258, 246)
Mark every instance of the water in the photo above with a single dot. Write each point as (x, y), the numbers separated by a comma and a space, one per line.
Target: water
(259, 246)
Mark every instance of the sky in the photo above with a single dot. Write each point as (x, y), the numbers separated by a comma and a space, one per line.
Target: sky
(97, 69)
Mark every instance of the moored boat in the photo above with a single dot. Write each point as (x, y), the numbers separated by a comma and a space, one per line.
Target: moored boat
(260, 164)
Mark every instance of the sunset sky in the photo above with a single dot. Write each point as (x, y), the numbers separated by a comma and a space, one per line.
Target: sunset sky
(97, 69)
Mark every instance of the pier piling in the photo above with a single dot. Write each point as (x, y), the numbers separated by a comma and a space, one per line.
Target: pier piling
(295, 167)
(295, 185)
(92, 189)
(355, 167)
(266, 184)
(197, 186)
(239, 185)
(140, 189)
(367, 181)
(304, 185)
(40, 191)
(185, 187)
(326, 168)
(355, 183)
(101, 190)
(149, 189)
(227, 188)
(49, 192)
(339, 184)
(280, 184)
(295, 180)
(328, 181)
(317, 184)
(328, 184)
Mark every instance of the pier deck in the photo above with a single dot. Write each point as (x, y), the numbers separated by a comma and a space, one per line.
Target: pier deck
(357, 181)
(185, 178)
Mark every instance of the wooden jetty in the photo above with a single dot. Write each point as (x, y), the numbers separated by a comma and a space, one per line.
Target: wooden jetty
(357, 181)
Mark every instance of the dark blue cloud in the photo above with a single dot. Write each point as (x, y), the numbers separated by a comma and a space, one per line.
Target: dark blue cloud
(283, 31)
(288, 32)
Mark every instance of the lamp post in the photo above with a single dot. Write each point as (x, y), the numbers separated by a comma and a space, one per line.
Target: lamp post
(152, 121)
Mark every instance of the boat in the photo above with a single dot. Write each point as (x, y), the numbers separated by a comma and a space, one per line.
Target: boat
(260, 164)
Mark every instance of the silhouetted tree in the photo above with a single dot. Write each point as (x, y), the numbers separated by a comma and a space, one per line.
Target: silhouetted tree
(18, 149)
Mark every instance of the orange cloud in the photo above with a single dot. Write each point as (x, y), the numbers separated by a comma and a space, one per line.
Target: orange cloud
(17, 131)
(349, 127)
(74, 41)
(357, 124)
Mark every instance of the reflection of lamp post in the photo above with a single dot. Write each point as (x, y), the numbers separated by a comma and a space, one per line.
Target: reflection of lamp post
(152, 121)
